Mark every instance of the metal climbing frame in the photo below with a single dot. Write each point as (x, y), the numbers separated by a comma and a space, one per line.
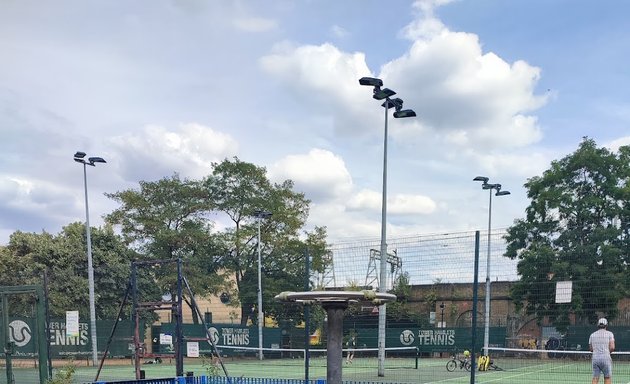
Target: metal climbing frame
(174, 304)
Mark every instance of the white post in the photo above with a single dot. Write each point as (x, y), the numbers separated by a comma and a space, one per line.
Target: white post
(260, 309)
(90, 272)
(382, 313)
(486, 334)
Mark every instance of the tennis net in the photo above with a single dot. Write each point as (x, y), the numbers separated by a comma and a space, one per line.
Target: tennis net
(396, 357)
(538, 365)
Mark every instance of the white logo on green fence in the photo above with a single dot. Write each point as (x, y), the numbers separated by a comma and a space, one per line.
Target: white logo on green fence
(19, 333)
(214, 335)
(58, 335)
(235, 336)
(406, 337)
(437, 337)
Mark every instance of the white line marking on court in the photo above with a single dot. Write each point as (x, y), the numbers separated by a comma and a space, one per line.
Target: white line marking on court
(529, 373)
(502, 376)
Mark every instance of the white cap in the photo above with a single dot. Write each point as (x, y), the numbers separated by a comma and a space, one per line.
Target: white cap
(602, 321)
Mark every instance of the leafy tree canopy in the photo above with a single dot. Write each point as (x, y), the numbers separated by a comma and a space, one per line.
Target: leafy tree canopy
(169, 219)
(238, 190)
(176, 218)
(28, 255)
(577, 228)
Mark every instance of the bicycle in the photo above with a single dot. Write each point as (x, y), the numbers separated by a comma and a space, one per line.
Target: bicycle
(455, 362)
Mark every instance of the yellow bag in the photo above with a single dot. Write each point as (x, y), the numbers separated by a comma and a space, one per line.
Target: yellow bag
(483, 363)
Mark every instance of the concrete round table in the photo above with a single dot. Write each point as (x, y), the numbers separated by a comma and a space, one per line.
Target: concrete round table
(335, 303)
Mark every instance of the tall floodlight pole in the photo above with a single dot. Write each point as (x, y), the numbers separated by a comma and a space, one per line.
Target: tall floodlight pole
(384, 94)
(260, 214)
(79, 157)
(499, 192)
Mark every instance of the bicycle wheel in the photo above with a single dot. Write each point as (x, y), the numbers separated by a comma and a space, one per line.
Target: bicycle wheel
(451, 365)
(467, 366)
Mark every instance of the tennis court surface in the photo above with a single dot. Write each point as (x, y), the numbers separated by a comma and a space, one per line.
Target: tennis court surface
(508, 366)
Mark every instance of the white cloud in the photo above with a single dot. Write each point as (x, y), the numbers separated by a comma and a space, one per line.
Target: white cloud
(323, 69)
(397, 204)
(405, 204)
(427, 6)
(326, 79)
(365, 199)
(341, 223)
(155, 152)
(14, 189)
(620, 142)
(255, 24)
(445, 77)
(477, 110)
(426, 25)
(338, 31)
(518, 165)
(320, 174)
(453, 86)
(475, 115)
(25, 198)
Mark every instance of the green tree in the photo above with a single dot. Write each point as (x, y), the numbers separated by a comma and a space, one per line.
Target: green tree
(237, 190)
(28, 255)
(576, 229)
(401, 309)
(169, 219)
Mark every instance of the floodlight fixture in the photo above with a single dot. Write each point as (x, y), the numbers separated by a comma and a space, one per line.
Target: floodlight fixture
(393, 103)
(491, 186)
(482, 179)
(502, 193)
(380, 94)
(79, 155)
(371, 81)
(404, 113)
(93, 160)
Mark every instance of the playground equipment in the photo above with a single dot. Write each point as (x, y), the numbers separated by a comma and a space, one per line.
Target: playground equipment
(172, 303)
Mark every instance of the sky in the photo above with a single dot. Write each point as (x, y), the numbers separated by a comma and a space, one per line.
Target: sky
(158, 87)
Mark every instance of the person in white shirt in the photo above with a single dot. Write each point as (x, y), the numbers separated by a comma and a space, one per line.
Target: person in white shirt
(602, 343)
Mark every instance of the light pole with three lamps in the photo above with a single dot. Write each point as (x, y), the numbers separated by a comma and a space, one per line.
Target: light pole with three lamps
(260, 214)
(499, 192)
(380, 93)
(79, 157)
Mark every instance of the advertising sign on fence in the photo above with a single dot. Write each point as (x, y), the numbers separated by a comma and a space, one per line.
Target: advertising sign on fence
(428, 339)
(229, 335)
(72, 323)
(192, 349)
